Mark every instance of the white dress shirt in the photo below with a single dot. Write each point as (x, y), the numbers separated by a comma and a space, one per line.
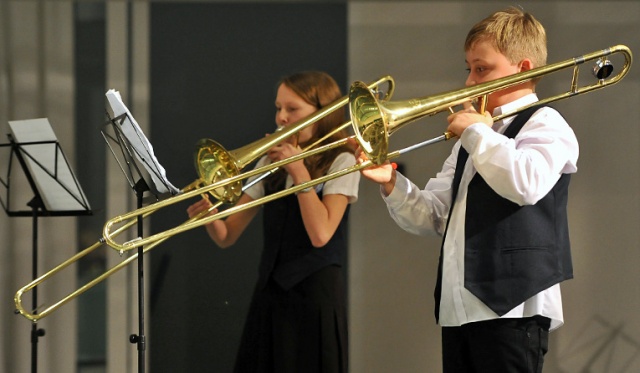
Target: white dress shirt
(522, 170)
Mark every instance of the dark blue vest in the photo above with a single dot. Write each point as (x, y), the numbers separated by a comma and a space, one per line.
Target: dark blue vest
(513, 252)
(288, 254)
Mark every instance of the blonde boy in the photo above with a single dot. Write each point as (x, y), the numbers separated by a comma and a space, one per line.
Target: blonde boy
(499, 202)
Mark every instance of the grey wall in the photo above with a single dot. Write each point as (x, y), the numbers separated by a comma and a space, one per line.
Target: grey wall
(391, 273)
(35, 81)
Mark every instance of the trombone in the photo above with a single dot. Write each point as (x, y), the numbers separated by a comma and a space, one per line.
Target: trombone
(221, 168)
(373, 122)
(213, 163)
(218, 164)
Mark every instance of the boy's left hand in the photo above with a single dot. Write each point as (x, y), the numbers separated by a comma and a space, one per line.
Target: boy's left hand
(460, 120)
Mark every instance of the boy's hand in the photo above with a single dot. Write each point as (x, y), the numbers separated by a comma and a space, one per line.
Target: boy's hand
(384, 174)
(459, 121)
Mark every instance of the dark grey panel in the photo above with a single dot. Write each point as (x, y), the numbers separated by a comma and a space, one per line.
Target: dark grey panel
(213, 74)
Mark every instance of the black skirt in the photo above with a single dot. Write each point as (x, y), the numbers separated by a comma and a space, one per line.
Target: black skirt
(300, 330)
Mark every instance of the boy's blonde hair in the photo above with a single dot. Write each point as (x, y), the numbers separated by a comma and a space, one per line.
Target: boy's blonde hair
(514, 33)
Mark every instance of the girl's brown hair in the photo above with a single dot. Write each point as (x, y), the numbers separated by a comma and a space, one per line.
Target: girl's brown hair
(319, 89)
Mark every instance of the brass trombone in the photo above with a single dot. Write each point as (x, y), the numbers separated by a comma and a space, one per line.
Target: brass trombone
(221, 168)
(213, 164)
(376, 121)
(373, 122)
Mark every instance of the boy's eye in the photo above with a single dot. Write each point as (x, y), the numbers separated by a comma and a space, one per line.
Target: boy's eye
(477, 70)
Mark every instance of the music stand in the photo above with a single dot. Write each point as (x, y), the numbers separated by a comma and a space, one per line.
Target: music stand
(56, 191)
(134, 155)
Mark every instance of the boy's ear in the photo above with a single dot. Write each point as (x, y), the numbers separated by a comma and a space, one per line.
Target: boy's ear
(526, 65)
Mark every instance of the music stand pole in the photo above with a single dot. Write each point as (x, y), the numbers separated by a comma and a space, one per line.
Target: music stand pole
(56, 190)
(36, 333)
(136, 152)
(132, 171)
(140, 339)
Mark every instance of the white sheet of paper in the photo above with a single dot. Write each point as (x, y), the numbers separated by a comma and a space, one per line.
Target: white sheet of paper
(142, 146)
(48, 166)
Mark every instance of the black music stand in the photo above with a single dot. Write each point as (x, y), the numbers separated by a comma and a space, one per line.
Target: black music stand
(56, 191)
(134, 155)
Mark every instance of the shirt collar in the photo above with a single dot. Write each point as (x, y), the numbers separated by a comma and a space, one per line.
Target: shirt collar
(512, 106)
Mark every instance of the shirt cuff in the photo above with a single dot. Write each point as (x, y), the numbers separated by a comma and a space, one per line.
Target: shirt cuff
(472, 136)
(399, 193)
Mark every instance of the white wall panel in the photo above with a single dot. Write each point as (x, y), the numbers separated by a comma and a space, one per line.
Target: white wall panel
(392, 273)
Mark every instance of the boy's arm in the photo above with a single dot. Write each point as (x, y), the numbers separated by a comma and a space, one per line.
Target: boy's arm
(526, 168)
(425, 211)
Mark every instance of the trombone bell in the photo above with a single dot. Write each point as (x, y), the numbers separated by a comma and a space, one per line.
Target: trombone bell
(214, 163)
(368, 124)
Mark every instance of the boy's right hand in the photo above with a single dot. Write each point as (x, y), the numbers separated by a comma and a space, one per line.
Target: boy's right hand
(383, 174)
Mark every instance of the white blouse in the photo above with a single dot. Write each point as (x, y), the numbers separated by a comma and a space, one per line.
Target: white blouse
(346, 185)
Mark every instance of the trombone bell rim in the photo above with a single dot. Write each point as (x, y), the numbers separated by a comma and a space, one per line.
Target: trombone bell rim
(369, 123)
(214, 163)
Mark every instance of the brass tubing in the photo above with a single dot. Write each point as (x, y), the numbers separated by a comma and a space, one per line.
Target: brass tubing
(223, 184)
(242, 157)
(373, 122)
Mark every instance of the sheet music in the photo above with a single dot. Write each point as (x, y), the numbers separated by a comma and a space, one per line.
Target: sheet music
(142, 146)
(48, 165)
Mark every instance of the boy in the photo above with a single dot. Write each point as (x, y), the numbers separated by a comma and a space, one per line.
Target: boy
(500, 203)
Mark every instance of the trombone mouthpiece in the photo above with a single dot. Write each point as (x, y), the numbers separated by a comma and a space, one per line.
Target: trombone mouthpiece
(480, 103)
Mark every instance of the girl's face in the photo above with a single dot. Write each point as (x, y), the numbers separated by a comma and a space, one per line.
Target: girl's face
(290, 108)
